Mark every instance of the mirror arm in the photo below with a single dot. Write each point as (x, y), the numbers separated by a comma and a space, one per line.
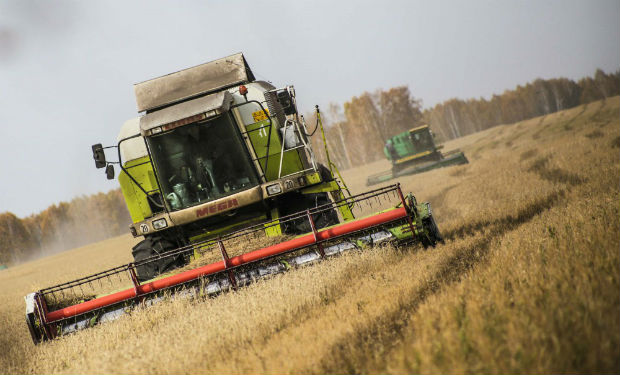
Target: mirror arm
(268, 136)
(120, 164)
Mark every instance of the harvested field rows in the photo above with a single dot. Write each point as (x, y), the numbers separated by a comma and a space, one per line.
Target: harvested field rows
(528, 279)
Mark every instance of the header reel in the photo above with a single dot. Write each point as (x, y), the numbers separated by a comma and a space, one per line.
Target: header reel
(105, 296)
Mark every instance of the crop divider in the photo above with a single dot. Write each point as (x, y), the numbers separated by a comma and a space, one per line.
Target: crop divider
(41, 306)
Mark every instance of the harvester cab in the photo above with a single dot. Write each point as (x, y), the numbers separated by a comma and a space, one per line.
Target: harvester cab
(216, 151)
(415, 144)
(219, 166)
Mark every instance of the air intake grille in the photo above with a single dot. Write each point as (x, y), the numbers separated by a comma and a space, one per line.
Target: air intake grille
(275, 109)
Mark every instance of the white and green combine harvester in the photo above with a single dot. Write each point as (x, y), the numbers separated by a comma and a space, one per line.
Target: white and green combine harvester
(223, 186)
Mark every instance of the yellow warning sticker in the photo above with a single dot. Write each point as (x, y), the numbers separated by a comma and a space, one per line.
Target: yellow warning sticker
(260, 115)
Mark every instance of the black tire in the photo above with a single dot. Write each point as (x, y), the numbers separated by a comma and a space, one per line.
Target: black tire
(433, 234)
(326, 174)
(300, 202)
(327, 218)
(150, 247)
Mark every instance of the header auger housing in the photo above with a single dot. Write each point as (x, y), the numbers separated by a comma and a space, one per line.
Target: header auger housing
(215, 159)
(75, 305)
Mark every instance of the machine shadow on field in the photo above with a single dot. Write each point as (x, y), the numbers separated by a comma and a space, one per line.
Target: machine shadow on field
(380, 336)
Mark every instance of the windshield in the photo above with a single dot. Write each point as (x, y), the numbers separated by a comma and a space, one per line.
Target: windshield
(422, 141)
(201, 162)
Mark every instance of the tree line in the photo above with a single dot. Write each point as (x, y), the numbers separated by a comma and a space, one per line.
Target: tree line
(63, 226)
(356, 132)
(355, 135)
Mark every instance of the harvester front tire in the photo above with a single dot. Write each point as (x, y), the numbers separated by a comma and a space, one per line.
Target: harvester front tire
(301, 203)
(434, 236)
(150, 247)
(327, 218)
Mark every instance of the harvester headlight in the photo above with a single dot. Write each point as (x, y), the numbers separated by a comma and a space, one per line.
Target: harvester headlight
(274, 189)
(160, 224)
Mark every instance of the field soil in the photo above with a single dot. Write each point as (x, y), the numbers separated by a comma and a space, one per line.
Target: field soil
(527, 281)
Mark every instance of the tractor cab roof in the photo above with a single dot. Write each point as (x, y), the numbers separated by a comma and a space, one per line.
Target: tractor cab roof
(418, 129)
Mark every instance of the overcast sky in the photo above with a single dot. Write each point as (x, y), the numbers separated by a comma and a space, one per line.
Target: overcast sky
(67, 67)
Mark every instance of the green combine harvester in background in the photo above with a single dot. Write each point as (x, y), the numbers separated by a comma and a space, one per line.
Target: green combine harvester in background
(414, 151)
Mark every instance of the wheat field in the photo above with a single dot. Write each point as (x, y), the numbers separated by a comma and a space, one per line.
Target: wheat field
(528, 279)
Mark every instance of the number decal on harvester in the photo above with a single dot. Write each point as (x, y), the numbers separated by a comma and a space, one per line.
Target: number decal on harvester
(262, 132)
(144, 228)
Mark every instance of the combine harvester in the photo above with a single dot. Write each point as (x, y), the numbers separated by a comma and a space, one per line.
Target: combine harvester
(414, 151)
(221, 182)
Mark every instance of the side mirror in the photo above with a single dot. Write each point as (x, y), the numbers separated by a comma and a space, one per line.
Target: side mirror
(109, 172)
(99, 156)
